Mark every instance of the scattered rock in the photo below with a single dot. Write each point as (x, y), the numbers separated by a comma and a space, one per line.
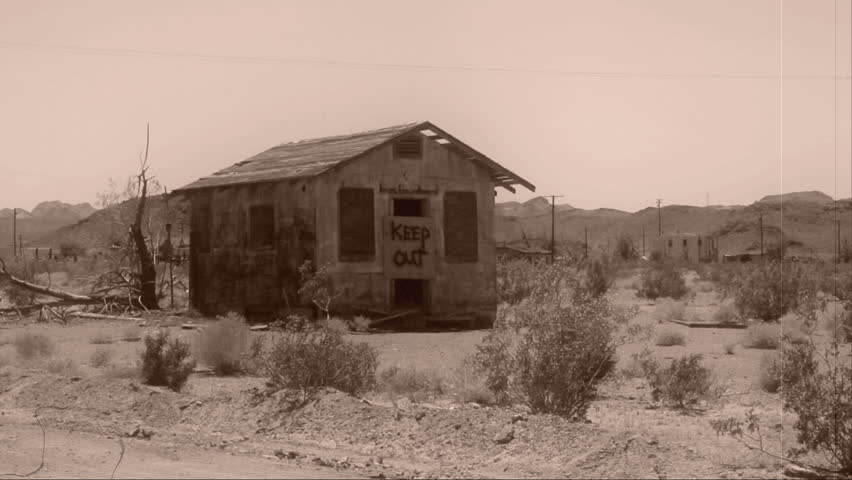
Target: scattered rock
(518, 417)
(419, 415)
(76, 379)
(504, 436)
(290, 455)
(474, 405)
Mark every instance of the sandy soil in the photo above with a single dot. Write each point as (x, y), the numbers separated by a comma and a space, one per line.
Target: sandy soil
(229, 427)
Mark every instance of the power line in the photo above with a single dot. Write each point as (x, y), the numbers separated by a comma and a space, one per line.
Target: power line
(219, 58)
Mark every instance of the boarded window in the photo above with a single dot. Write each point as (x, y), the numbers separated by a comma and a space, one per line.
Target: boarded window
(357, 224)
(200, 231)
(409, 147)
(261, 227)
(461, 239)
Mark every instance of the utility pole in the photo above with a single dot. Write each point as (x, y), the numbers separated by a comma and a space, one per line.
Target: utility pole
(170, 259)
(14, 233)
(761, 237)
(553, 226)
(643, 240)
(659, 219)
(586, 243)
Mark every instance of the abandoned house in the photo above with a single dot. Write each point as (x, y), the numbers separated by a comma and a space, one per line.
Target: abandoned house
(402, 218)
(686, 246)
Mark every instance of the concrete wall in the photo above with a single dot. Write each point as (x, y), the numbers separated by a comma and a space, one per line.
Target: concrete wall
(683, 246)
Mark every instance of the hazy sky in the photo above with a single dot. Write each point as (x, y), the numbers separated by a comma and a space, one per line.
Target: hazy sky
(612, 103)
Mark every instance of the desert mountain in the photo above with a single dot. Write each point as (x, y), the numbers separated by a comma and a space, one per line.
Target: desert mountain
(45, 218)
(809, 224)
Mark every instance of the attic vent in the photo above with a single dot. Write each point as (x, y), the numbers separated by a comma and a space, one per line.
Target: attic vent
(410, 147)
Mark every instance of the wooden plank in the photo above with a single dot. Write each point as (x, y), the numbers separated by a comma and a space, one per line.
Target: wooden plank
(709, 325)
(100, 316)
(393, 316)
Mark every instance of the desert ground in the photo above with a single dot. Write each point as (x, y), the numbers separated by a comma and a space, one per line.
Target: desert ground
(93, 409)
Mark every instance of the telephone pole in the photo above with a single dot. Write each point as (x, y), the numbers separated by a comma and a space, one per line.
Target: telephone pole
(643, 240)
(761, 237)
(14, 233)
(553, 226)
(659, 219)
(586, 242)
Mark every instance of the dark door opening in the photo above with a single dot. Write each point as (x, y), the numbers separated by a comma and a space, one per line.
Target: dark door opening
(408, 293)
(409, 207)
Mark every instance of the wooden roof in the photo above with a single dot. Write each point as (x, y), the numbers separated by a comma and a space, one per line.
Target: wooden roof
(308, 158)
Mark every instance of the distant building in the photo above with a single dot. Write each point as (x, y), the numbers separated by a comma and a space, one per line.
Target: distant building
(509, 252)
(686, 246)
(403, 215)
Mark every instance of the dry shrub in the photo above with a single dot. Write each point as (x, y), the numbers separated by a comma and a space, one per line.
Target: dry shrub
(30, 345)
(411, 382)
(101, 357)
(669, 338)
(667, 310)
(663, 279)
(100, 339)
(311, 358)
(467, 384)
(726, 314)
(360, 324)
(165, 361)
(704, 286)
(763, 336)
(770, 290)
(131, 334)
(222, 343)
(61, 366)
(769, 375)
(336, 324)
(597, 280)
(515, 280)
(640, 364)
(837, 322)
(551, 351)
(730, 348)
(683, 383)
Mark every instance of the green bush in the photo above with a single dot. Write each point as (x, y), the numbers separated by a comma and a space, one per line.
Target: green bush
(165, 361)
(683, 383)
(222, 343)
(663, 279)
(316, 357)
(551, 351)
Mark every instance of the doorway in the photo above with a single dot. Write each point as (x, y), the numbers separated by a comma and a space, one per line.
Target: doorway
(409, 293)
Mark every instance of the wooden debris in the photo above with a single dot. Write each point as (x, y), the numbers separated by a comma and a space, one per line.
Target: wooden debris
(192, 326)
(100, 316)
(259, 328)
(393, 316)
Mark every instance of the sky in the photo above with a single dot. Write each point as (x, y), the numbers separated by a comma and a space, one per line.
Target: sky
(610, 103)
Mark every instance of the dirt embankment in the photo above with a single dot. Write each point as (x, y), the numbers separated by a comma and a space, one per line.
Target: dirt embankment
(336, 430)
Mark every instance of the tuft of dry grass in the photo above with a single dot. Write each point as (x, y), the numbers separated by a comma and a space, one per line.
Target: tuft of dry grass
(100, 339)
(768, 378)
(763, 336)
(411, 382)
(61, 366)
(122, 372)
(101, 357)
(726, 313)
(221, 344)
(668, 310)
(467, 384)
(31, 345)
(131, 334)
(336, 324)
(668, 338)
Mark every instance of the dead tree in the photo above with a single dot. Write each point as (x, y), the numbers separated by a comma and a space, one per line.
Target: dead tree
(147, 269)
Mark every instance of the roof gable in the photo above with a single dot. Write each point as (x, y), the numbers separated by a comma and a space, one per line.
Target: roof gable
(308, 158)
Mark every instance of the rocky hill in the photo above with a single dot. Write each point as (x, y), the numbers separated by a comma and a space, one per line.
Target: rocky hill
(808, 222)
(45, 218)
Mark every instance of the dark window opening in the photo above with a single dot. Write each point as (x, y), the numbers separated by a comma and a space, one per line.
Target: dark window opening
(461, 223)
(670, 243)
(410, 147)
(684, 243)
(357, 224)
(261, 226)
(408, 293)
(409, 207)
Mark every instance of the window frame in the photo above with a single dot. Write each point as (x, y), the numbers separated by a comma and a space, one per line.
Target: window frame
(252, 240)
(472, 257)
(355, 255)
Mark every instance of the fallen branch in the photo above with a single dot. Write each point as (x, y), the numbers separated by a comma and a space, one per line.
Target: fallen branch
(50, 292)
(100, 316)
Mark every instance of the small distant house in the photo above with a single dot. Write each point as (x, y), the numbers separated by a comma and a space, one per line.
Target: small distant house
(402, 216)
(685, 246)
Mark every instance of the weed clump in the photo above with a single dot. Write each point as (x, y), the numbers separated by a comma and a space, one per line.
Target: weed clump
(662, 280)
(682, 384)
(221, 344)
(313, 357)
(670, 338)
(166, 361)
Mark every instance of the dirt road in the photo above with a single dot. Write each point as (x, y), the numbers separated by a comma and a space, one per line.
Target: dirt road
(85, 455)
